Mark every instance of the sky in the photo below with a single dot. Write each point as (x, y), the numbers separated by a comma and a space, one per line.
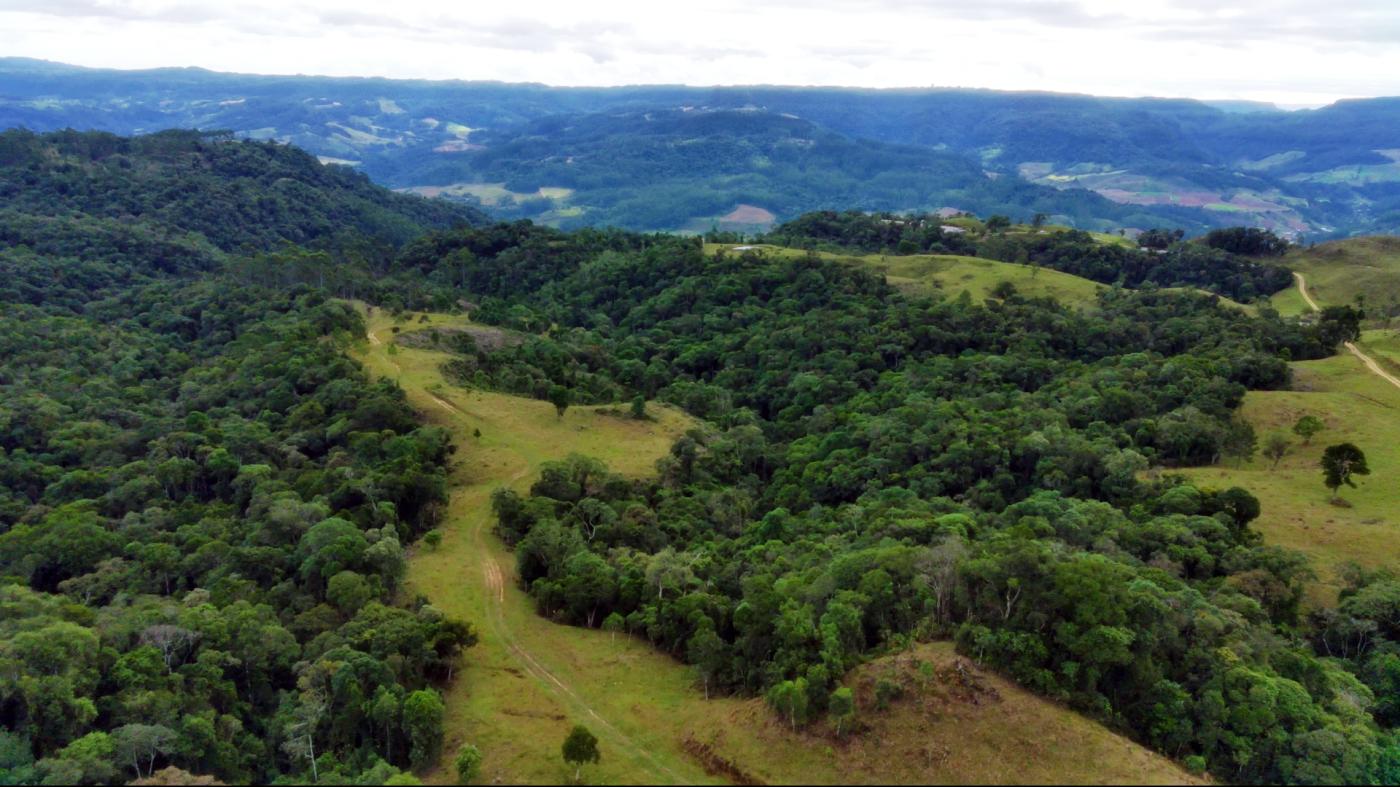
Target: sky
(1290, 52)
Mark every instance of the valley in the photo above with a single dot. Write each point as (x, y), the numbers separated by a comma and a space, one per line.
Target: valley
(670, 158)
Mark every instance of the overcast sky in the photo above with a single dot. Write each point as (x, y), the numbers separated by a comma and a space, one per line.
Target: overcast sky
(1293, 52)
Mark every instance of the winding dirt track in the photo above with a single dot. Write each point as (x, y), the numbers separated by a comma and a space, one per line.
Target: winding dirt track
(495, 586)
(1363, 357)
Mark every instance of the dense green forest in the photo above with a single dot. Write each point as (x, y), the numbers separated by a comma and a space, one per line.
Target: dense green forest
(205, 501)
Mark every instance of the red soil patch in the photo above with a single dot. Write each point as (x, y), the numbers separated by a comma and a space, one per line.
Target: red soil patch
(1189, 199)
(457, 146)
(749, 214)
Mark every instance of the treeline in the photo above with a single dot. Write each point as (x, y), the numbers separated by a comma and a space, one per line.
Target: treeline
(1216, 266)
(875, 468)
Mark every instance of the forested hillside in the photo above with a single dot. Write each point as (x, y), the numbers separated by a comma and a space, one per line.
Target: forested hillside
(204, 501)
(876, 468)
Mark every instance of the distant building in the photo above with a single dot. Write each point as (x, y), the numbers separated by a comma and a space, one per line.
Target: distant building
(951, 230)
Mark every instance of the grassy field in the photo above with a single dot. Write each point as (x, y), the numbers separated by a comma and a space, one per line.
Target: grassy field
(529, 680)
(1357, 406)
(1338, 271)
(951, 275)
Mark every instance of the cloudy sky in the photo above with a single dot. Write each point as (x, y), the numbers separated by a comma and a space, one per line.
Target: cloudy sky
(1294, 52)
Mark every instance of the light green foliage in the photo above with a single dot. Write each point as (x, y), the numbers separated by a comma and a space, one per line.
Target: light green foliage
(422, 721)
(842, 707)
(1308, 426)
(467, 763)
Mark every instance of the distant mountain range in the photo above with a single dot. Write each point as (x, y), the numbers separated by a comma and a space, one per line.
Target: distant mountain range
(672, 157)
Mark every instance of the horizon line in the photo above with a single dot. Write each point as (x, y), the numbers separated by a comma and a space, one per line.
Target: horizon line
(1280, 106)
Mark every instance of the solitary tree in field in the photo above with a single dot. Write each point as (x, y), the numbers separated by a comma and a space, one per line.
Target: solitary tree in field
(468, 763)
(579, 748)
(1275, 447)
(998, 223)
(1308, 426)
(559, 397)
(1339, 463)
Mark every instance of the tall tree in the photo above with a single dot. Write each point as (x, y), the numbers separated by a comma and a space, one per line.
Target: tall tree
(1340, 463)
(580, 748)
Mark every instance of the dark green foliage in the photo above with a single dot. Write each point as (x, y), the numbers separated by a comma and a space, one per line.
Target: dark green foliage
(874, 232)
(238, 195)
(1158, 238)
(202, 498)
(1339, 324)
(1340, 463)
(580, 748)
(1247, 241)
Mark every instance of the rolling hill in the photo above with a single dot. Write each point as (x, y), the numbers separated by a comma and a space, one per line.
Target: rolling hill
(1099, 163)
(1339, 271)
(953, 274)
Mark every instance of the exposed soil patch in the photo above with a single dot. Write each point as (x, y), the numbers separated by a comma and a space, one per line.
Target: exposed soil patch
(487, 338)
(749, 214)
(716, 765)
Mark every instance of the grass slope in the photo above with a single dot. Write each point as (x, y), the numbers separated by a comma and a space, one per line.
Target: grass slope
(529, 680)
(1340, 270)
(507, 700)
(954, 727)
(1357, 406)
(951, 275)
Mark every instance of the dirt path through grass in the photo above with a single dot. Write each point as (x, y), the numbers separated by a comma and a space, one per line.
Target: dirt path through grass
(529, 680)
(1364, 358)
(1303, 291)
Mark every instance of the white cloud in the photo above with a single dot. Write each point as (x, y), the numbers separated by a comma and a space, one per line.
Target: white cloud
(1288, 51)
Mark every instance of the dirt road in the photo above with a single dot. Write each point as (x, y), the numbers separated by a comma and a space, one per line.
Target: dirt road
(1363, 357)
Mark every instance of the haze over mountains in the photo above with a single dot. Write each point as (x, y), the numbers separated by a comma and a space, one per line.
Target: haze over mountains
(688, 158)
